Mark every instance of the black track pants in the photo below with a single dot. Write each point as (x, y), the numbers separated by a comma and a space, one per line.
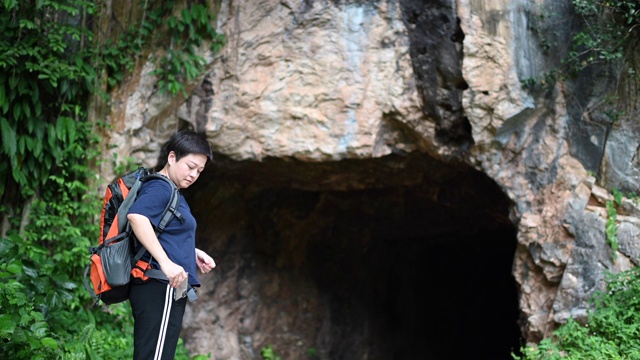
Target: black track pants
(157, 320)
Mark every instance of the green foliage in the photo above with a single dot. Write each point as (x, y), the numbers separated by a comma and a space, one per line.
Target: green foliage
(611, 26)
(48, 69)
(609, 34)
(181, 62)
(611, 229)
(123, 166)
(42, 89)
(312, 352)
(617, 196)
(47, 72)
(183, 354)
(45, 153)
(43, 311)
(612, 330)
(268, 353)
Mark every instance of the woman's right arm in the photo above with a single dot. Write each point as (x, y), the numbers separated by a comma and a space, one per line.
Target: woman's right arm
(146, 235)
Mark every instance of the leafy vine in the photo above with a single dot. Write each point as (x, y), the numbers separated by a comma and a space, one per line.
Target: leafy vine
(49, 67)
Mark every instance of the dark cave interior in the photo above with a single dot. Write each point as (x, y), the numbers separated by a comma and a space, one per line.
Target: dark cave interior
(420, 294)
(405, 270)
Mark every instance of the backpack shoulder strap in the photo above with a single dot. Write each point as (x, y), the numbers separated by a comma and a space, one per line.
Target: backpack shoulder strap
(169, 212)
(171, 209)
(131, 197)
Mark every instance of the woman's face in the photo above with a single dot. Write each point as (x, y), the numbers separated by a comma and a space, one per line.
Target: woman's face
(187, 170)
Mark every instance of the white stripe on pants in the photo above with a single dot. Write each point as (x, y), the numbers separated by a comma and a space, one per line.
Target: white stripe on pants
(157, 320)
(168, 300)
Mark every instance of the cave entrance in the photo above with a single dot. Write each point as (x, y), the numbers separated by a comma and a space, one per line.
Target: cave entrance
(403, 270)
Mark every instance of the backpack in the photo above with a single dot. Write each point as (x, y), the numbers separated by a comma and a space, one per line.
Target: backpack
(113, 262)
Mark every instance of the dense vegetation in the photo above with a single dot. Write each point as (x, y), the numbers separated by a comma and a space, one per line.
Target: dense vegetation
(612, 329)
(50, 66)
(610, 33)
(608, 37)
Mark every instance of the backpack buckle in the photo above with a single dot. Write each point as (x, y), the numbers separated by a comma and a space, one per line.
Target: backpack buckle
(191, 294)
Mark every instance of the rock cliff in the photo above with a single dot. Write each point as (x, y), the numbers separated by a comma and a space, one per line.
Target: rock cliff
(359, 143)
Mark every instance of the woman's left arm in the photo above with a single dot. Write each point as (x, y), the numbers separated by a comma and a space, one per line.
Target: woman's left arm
(204, 261)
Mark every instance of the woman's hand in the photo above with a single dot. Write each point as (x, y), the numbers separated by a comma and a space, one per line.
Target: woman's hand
(146, 235)
(205, 262)
(174, 272)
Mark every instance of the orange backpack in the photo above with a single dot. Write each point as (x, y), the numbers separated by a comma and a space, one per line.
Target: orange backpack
(113, 261)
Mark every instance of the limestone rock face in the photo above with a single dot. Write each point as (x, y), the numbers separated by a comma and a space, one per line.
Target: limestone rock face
(312, 82)
(330, 83)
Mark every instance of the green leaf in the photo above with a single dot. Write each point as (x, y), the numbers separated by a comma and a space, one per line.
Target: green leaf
(29, 142)
(37, 149)
(7, 324)
(30, 272)
(50, 343)
(13, 81)
(15, 268)
(8, 137)
(59, 130)
(617, 196)
(39, 329)
(186, 15)
(17, 112)
(26, 109)
(2, 95)
(172, 22)
(71, 130)
(21, 144)
(30, 124)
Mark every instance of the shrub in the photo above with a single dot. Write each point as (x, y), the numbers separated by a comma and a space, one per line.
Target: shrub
(612, 329)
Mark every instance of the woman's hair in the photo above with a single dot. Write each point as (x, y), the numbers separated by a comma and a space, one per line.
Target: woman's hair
(184, 143)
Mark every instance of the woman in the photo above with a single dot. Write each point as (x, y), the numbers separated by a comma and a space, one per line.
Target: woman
(156, 312)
